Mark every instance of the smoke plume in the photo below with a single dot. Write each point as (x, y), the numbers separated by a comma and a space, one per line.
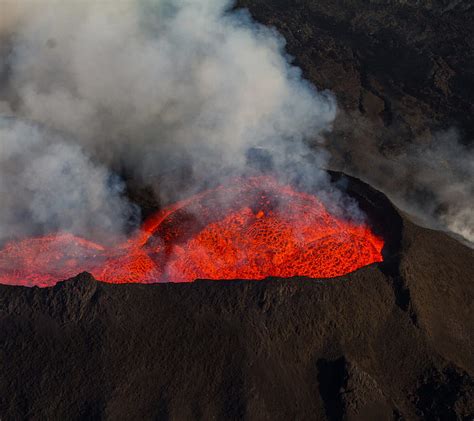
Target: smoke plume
(52, 185)
(138, 86)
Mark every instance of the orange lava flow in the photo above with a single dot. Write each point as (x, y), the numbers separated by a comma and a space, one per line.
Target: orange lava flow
(253, 229)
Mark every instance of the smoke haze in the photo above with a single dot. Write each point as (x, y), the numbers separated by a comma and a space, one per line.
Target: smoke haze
(147, 87)
(138, 86)
(431, 178)
(437, 183)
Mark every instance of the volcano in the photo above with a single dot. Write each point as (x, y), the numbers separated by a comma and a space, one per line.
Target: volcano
(249, 229)
(387, 341)
(251, 299)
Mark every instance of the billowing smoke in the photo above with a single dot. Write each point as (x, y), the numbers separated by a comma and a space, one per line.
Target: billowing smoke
(49, 184)
(138, 86)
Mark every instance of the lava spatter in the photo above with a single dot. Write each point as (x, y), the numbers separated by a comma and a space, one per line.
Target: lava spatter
(252, 229)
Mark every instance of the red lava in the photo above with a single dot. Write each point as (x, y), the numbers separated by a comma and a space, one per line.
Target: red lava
(253, 229)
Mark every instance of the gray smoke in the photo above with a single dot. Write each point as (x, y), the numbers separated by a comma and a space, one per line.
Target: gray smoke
(431, 179)
(442, 172)
(49, 184)
(140, 86)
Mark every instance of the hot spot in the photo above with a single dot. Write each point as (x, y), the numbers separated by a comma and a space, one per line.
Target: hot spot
(251, 229)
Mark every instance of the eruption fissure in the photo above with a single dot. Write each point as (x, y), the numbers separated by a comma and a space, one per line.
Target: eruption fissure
(253, 229)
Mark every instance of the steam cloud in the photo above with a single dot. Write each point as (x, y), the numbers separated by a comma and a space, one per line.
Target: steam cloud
(52, 184)
(137, 86)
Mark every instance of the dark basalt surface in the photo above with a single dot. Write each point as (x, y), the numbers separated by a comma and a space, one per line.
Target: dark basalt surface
(390, 341)
(406, 65)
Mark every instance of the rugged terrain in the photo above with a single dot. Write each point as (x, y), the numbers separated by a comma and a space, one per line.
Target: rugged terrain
(390, 341)
(407, 66)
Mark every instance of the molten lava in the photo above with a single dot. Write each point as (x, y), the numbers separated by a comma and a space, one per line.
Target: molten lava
(254, 229)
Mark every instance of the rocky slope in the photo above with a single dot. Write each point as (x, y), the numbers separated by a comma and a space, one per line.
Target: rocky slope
(390, 341)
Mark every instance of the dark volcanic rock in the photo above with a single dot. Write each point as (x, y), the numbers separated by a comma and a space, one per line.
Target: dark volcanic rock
(390, 341)
(403, 63)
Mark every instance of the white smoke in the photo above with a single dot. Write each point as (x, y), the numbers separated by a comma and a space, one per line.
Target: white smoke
(139, 85)
(49, 184)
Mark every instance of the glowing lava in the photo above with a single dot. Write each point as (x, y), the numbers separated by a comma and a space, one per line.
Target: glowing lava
(254, 229)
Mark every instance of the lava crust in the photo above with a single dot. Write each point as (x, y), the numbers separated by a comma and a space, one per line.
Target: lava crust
(252, 229)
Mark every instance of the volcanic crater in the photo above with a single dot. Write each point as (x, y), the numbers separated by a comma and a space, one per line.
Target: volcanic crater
(391, 340)
(250, 228)
(381, 341)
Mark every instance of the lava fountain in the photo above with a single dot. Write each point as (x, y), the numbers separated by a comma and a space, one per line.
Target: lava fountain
(252, 229)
